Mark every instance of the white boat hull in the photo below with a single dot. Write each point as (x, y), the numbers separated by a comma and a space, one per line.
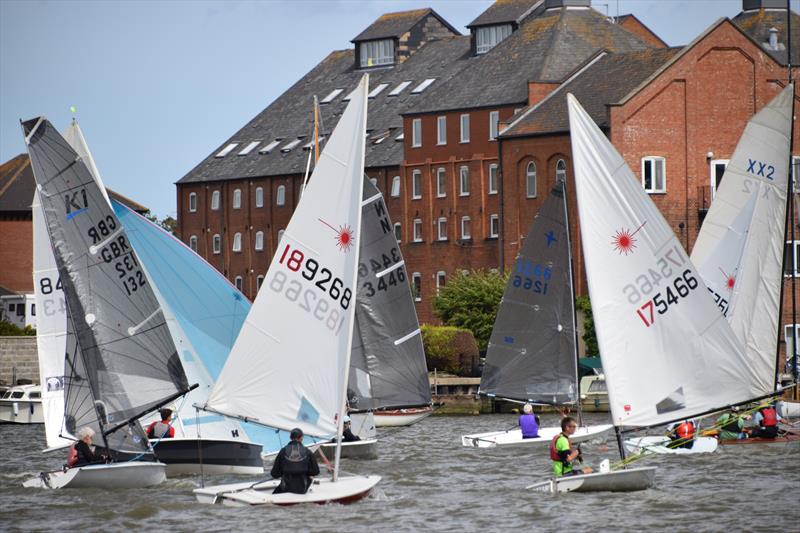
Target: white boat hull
(789, 409)
(660, 445)
(219, 456)
(628, 480)
(513, 437)
(21, 412)
(360, 449)
(401, 417)
(131, 475)
(346, 490)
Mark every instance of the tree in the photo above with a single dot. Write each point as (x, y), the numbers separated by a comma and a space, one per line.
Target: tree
(589, 336)
(168, 224)
(470, 301)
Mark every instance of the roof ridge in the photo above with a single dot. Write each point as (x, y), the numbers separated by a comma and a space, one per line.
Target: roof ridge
(25, 163)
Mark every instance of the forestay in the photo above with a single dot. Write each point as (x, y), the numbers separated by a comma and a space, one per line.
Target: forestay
(388, 368)
(739, 251)
(289, 365)
(531, 355)
(127, 353)
(652, 312)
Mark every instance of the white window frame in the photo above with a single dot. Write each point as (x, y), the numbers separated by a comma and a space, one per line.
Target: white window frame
(238, 282)
(528, 176)
(398, 232)
(416, 284)
(654, 159)
(464, 124)
(494, 169)
(237, 242)
(795, 173)
(487, 37)
(249, 148)
(788, 266)
(416, 184)
(441, 229)
(466, 228)
(192, 202)
(441, 182)
(259, 241)
(193, 243)
(215, 199)
(216, 243)
(280, 195)
(228, 149)
(712, 174)
(237, 199)
(561, 171)
(463, 181)
(395, 193)
(375, 53)
(789, 340)
(494, 125)
(441, 131)
(494, 233)
(259, 196)
(259, 282)
(417, 230)
(416, 133)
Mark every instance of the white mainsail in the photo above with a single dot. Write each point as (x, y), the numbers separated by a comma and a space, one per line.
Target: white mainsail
(739, 251)
(289, 365)
(668, 353)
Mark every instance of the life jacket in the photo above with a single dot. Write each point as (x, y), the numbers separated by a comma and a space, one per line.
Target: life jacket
(529, 426)
(295, 459)
(72, 458)
(159, 429)
(553, 452)
(732, 425)
(685, 431)
(770, 417)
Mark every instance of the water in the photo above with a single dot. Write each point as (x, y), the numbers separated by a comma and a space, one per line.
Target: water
(430, 482)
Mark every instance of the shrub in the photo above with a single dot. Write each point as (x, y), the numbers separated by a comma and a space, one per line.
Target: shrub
(450, 349)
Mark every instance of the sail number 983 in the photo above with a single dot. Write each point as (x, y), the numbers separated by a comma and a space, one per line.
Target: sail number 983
(296, 261)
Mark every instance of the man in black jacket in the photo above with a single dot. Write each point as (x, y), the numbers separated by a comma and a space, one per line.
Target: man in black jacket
(295, 465)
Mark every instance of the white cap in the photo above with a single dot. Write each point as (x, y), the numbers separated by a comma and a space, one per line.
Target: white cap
(347, 418)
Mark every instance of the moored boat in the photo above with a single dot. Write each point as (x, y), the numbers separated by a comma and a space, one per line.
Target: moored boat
(22, 404)
(401, 417)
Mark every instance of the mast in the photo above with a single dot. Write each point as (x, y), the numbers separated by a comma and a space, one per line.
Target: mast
(578, 406)
(315, 147)
(792, 200)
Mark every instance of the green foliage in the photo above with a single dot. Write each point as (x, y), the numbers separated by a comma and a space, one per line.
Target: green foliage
(168, 224)
(8, 329)
(449, 349)
(470, 301)
(589, 336)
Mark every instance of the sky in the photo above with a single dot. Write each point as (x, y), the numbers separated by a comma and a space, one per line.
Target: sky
(158, 84)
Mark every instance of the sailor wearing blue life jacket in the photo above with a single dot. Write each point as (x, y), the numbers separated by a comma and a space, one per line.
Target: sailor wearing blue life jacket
(528, 422)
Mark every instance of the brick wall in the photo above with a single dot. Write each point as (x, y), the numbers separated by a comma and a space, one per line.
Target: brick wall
(16, 254)
(18, 353)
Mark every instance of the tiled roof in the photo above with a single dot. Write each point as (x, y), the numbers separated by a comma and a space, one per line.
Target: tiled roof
(505, 12)
(757, 23)
(127, 202)
(546, 47)
(603, 82)
(290, 115)
(397, 24)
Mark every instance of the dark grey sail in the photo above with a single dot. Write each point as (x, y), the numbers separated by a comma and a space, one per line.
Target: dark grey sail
(387, 366)
(531, 355)
(127, 353)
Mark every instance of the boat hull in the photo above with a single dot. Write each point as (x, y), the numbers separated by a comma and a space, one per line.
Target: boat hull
(791, 437)
(182, 457)
(132, 475)
(660, 445)
(360, 449)
(789, 409)
(347, 489)
(629, 480)
(21, 412)
(401, 417)
(513, 438)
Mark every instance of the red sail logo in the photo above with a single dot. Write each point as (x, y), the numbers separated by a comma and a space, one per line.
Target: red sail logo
(344, 236)
(623, 240)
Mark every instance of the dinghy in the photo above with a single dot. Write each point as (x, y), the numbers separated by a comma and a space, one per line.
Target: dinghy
(629, 480)
(289, 366)
(665, 445)
(120, 359)
(402, 417)
(132, 475)
(532, 355)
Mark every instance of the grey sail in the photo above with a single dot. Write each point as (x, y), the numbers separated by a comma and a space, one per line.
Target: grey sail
(531, 354)
(387, 365)
(127, 354)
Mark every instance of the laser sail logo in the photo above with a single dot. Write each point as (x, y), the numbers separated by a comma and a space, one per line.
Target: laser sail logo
(74, 208)
(344, 236)
(623, 240)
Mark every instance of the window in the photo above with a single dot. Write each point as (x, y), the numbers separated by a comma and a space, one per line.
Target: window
(192, 202)
(530, 180)
(217, 244)
(441, 277)
(493, 178)
(717, 171)
(259, 244)
(228, 149)
(237, 198)
(441, 130)
(494, 122)
(249, 148)
(20, 309)
(422, 86)
(654, 174)
(791, 260)
(789, 336)
(237, 242)
(464, 128)
(463, 189)
(331, 95)
(288, 147)
(215, 200)
(796, 173)
(416, 133)
(396, 186)
(441, 229)
(397, 232)
(193, 243)
(374, 53)
(33, 313)
(259, 282)
(416, 286)
(400, 88)
(466, 228)
(238, 282)
(494, 226)
(280, 195)
(374, 181)
(377, 90)
(12, 307)
(487, 37)
(259, 196)
(441, 182)
(270, 147)
(561, 171)
(417, 230)
(416, 184)
(280, 235)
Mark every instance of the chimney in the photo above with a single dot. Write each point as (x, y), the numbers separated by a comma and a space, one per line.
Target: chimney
(773, 38)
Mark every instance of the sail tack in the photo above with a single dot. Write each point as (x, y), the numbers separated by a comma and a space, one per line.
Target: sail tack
(668, 353)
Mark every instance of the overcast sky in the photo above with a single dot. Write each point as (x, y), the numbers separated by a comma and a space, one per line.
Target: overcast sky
(160, 84)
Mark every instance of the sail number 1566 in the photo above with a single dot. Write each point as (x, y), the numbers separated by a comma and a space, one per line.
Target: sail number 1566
(296, 261)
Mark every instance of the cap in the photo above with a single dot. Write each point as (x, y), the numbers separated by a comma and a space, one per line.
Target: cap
(346, 418)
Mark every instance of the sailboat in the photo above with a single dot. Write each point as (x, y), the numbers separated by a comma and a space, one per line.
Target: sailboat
(532, 355)
(651, 309)
(289, 366)
(123, 363)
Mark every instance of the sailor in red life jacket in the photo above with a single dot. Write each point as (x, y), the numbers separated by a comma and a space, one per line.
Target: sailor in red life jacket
(82, 452)
(683, 434)
(766, 420)
(561, 452)
(162, 429)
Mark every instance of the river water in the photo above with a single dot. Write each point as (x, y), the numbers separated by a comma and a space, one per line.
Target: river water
(430, 482)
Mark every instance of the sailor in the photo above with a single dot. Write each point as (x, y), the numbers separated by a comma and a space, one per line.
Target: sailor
(683, 434)
(766, 420)
(295, 465)
(82, 452)
(347, 433)
(161, 429)
(528, 422)
(731, 426)
(561, 451)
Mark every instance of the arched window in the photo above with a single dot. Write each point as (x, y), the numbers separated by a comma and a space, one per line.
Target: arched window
(530, 180)
(192, 202)
(259, 241)
(193, 243)
(237, 242)
(215, 200)
(238, 282)
(217, 244)
(396, 186)
(397, 232)
(259, 197)
(280, 235)
(237, 198)
(561, 170)
(280, 196)
(259, 282)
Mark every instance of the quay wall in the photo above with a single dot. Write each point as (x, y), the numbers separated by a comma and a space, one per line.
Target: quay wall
(18, 356)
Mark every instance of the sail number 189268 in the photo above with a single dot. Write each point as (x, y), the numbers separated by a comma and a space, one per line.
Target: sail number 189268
(296, 261)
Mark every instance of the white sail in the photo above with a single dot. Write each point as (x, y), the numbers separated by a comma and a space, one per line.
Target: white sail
(667, 351)
(74, 136)
(739, 251)
(289, 365)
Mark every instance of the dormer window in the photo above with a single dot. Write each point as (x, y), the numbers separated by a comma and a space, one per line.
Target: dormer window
(488, 37)
(375, 53)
